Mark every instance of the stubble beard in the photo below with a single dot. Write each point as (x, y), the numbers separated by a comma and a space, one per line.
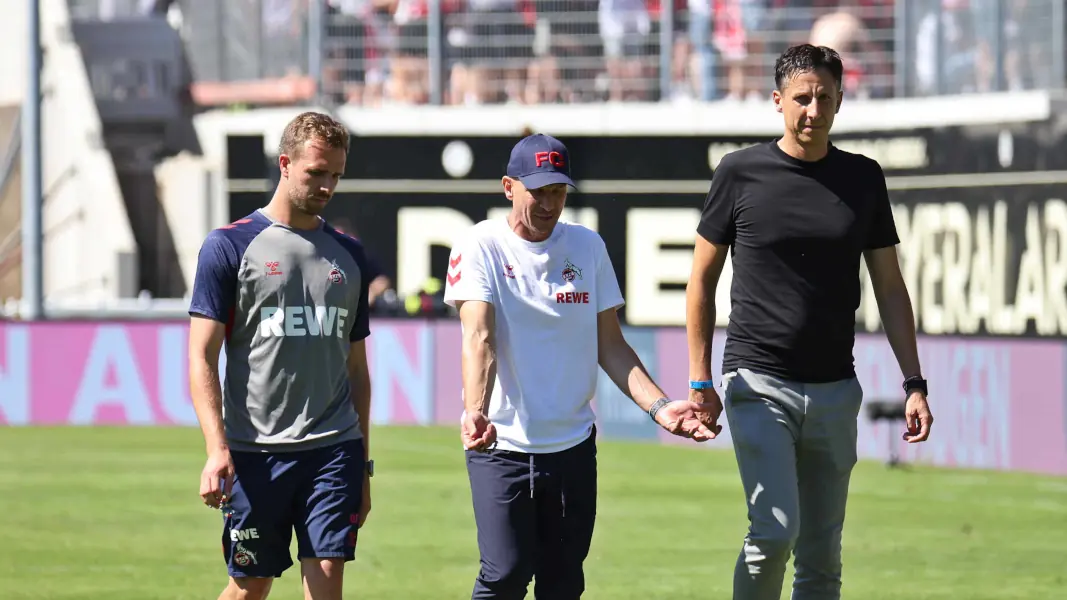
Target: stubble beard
(302, 203)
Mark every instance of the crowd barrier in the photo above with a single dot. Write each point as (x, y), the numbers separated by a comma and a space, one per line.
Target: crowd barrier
(998, 403)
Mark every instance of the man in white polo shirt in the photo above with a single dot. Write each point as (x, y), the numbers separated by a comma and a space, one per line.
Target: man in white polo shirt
(537, 301)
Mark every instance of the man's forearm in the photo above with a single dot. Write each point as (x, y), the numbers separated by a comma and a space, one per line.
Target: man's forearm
(206, 391)
(624, 367)
(898, 320)
(700, 327)
(479, 371)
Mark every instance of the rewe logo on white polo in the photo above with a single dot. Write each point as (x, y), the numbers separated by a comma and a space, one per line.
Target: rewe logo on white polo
(237, 535)
(300, 321)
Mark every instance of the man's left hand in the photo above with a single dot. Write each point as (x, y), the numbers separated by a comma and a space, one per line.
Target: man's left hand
(682, 418)
(918, 417)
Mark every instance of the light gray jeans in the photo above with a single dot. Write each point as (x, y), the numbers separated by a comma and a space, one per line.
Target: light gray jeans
(796, 446)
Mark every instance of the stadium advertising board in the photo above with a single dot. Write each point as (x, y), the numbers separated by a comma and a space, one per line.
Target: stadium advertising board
(983, 230)
(999, 403)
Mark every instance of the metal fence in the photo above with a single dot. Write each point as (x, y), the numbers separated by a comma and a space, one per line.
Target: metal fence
(373, 52)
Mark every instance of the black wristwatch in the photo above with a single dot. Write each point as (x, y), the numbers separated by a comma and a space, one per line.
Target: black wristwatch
(370, 468)
(915, 382)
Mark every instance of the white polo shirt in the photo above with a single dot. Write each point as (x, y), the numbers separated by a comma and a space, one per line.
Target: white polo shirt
(546, 296)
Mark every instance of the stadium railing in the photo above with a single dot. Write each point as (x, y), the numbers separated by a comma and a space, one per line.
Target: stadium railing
(374, 52)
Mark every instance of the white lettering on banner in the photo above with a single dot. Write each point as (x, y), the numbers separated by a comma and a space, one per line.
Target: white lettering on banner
(648, 265)
(174, 399)
(956, 268)
(958, 263)
(976, 431)
(1056, 265)
(110, 352)
(301, 321)
(392, 370)
(973, 423)
(417, 230)
(891, 153)
(15, 376)
(717, 151)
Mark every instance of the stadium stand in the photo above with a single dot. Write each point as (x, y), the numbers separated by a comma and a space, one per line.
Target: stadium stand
(10, 207)
(474, 52)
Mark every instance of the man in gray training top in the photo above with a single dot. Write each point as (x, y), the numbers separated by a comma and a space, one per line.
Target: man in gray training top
(288, 433)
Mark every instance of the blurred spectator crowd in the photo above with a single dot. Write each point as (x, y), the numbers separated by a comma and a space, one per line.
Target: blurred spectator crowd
(552, 51)
(378, 52)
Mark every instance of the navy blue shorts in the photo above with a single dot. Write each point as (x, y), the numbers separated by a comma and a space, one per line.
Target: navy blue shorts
(317, 493)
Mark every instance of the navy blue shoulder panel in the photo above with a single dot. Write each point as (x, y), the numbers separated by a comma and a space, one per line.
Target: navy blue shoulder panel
(215, 284)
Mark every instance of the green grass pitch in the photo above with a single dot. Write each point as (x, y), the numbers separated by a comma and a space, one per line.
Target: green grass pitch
(113, 513)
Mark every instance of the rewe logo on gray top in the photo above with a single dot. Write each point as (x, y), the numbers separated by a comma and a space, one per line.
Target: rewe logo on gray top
(301, 321)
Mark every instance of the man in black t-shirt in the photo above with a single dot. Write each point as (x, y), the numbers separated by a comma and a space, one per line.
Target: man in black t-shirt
(796, 214)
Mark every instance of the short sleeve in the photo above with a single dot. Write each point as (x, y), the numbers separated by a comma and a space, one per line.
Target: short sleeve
(374, 268)
(883, 230)
(608, 294)
(467, 274)
(717, 218)
(361, 324)
(215, 283)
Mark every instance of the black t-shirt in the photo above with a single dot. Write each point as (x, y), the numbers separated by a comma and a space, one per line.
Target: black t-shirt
(797, 231)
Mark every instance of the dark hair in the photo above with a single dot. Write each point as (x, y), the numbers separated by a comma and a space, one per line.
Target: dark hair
(312, 126)
(805, 58)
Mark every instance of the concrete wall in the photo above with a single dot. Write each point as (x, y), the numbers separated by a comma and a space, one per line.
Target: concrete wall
(85, 222)
(13, 29)
(10, 211)
(87, 232)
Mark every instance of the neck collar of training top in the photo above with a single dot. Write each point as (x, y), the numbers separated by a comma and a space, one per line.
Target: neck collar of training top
(777, 150)
(320, 223)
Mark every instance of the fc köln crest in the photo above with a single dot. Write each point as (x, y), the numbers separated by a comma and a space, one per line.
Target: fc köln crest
(336, 275)
(570, 271)
(243, 556)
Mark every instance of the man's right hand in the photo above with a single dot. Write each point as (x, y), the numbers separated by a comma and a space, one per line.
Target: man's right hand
(709, 397)
(477, 432)
(218, 468)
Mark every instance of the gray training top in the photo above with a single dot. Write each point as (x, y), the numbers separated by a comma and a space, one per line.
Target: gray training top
(293, 301)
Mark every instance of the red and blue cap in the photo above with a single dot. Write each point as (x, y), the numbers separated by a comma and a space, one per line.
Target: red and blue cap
(539, 160)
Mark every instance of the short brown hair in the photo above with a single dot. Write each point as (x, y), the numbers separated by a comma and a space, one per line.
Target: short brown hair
(312, 126)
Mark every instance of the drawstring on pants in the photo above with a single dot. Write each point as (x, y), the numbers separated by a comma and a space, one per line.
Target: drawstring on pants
(563, 490)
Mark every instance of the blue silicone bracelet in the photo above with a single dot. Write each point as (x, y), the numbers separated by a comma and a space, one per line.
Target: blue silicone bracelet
(701, 385)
